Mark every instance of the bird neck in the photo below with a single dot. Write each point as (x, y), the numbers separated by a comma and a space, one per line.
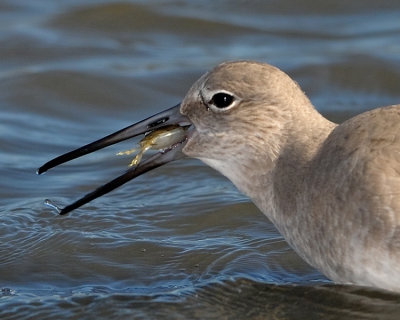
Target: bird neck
(284, 183)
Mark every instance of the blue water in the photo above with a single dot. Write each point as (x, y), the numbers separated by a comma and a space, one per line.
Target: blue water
(179, 242)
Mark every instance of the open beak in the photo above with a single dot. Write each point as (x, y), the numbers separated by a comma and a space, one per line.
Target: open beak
(163, 119)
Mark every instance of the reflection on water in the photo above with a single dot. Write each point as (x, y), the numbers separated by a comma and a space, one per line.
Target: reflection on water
(180, 241)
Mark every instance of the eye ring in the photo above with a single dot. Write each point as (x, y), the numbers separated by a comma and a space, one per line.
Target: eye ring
(221, 101)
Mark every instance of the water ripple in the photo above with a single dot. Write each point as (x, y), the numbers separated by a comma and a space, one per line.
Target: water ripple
(180, 242)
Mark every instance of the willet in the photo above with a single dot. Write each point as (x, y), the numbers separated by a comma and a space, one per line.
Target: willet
(333, 191)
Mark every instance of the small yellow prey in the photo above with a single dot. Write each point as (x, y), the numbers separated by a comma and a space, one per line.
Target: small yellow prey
(156, 140)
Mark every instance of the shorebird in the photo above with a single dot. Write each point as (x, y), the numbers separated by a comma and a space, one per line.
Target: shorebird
(333, 191)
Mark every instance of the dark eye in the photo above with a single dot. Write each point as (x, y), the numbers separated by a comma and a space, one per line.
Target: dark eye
(222, 100)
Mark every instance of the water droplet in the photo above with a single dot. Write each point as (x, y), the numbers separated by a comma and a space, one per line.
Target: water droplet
(7, 292)
(51, 204)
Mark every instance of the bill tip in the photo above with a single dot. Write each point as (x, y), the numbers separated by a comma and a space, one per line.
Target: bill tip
(40, 170)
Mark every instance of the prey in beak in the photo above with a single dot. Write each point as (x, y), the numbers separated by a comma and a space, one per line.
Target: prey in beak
(166, 130)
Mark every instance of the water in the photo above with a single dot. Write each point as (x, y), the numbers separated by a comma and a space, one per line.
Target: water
(179, 242)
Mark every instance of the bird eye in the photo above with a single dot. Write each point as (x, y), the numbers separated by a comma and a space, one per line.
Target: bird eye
(222, 100)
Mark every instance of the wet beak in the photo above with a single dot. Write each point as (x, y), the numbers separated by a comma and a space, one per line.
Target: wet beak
(165, 118)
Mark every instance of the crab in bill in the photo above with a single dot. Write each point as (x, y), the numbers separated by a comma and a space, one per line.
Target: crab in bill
(166, 131)
(156, 140)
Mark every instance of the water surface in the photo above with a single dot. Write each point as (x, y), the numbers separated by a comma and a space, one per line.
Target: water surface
(180, 242)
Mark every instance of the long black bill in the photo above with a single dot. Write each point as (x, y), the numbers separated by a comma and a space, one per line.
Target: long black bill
(165, 118)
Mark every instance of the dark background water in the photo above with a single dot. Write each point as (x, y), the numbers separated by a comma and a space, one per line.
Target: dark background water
(180, 242)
